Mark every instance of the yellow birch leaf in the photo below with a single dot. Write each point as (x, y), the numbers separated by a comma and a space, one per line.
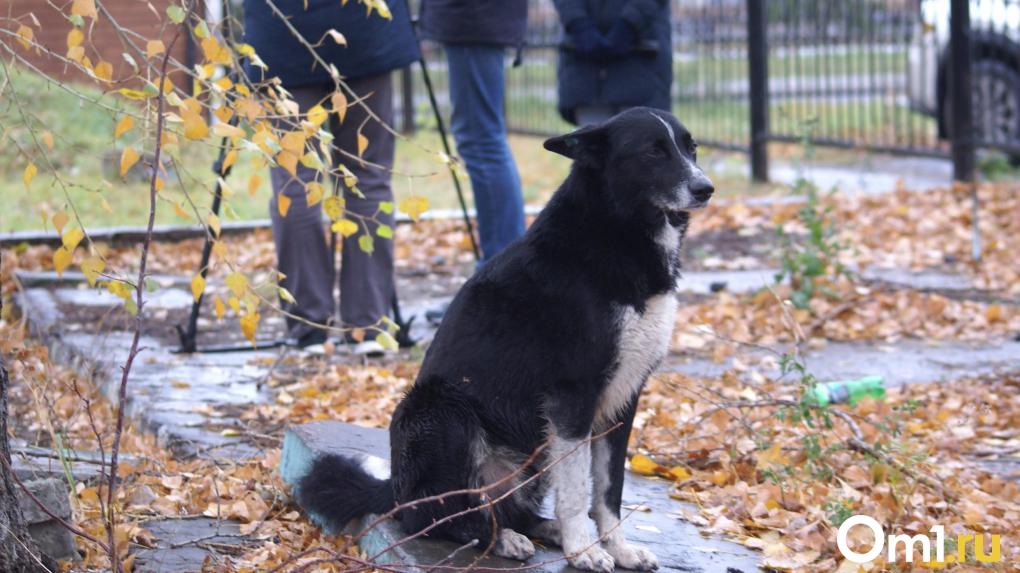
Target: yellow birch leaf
(237, 283)
(387, 341)
(643, 465)
(317, 115)
(85, 8)
(235, 304)
(249, 324)
(159, 184)
(345, 227)
(679, 473)
(227, 130)
(334, 207)
(195, 127)
(106, 205)
(293, 141)
(180, 212)
(197, 286)
(71, 238)
(313, 193)
(74, 38)
(214, 223)
(282, 204)
(362, 144)
(229, 161)
(366, 243)
(29, 174)
(76, 54)
(288, 161)
(91, 267)
(25, 36)
(59, 220)
(61, 260)
(218, 308)
(219, 249)
(47, 138)
(104, 70)
(154, 48)
(253, 184)
(339, 101)
(414, 206)
(128, 158)
(123, 125)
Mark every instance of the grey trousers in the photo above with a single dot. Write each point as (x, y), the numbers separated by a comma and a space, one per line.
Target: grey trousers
(302, 244)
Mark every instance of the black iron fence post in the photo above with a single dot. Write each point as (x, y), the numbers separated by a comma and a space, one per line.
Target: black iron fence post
(407, 101)
(758, 58)
(962, 128)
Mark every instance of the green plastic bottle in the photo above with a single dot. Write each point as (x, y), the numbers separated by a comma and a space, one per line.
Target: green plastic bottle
(851, 391)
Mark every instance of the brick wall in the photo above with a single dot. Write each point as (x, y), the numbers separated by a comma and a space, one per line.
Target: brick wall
(103, 43)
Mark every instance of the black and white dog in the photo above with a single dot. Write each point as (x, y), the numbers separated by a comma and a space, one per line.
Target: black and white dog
(549, 343)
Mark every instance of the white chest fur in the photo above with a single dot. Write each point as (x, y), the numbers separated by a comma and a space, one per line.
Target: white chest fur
(644, 340)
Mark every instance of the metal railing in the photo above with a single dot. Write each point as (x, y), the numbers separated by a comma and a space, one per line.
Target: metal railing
(864, 74)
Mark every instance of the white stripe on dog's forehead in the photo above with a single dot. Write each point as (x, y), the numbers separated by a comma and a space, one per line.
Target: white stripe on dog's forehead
(669, 130)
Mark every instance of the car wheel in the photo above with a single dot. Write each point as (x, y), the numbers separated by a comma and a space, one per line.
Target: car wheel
(995, 99)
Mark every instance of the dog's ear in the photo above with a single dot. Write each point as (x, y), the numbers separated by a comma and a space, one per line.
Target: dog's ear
(586, 145)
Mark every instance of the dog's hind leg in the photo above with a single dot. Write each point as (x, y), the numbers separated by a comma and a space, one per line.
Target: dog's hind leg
(607, 468)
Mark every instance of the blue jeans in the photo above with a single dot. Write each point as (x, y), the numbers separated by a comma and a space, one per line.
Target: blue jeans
(476, 92)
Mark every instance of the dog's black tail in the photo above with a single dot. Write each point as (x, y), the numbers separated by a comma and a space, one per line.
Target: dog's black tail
(338, 489)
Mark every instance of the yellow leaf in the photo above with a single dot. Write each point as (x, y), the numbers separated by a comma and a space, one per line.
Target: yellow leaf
(362, 144)
(643, 465)
(85, 8)
(249, 324)
(253, 184)
(227, 130)
(71, 238)
(220, 250)
(106, 205)
(993, 313)
(180, 212)
(230, 432)
(288, 161)
(195, 127)
(228, 161)
(334, 207)
(345, 227)
(59, 220)
(91, 267)
(29, 174)
(104, 70)
(293, 141)
(339, 101)
(234, 304)
(317, 115)
(218, 308)
(214, 223)
(128, 158)
(197, 286)
(74, 38)
(337, 37)
(414, 206)
(237, 283)
(387, 341)
(76, 54)
(123, 125)
(773, 456)
(61, 260)
(159, 184)
(282, 204)
(133, 94)
(154, 48)
(47, 138)
(313, 192)
(679, 473)
(25, 36)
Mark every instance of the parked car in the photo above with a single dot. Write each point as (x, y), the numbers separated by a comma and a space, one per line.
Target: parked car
(995, 71)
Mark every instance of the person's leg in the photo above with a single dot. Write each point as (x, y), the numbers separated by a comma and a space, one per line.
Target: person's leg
(477, 93)
(366, 279)
(301, 250)
(593, 114)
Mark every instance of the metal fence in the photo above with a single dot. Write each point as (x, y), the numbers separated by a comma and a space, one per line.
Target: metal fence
(867, 74)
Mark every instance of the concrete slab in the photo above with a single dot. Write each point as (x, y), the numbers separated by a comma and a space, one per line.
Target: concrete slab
(52, 538)
(161, 299)
(679, 545)
(902, 362)
(184, 545)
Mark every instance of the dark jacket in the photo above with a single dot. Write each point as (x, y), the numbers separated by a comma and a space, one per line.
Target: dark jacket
(641, 78)
(374, 44)
(501, 22)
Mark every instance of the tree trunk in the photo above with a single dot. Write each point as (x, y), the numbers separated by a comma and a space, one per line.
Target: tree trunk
(18, 553)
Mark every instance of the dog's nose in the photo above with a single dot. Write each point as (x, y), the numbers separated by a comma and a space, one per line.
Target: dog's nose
(702, 189)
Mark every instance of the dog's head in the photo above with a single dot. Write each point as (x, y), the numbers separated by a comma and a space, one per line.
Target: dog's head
(647, 159)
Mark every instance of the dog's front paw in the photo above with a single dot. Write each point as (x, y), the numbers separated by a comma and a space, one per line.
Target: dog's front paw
(634, 557)
(513, 545)
(593, 559)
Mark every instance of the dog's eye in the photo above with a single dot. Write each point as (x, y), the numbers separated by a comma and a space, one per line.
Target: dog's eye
(658, 151)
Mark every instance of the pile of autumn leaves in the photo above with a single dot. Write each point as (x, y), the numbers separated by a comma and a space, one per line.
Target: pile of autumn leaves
(751, 471)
